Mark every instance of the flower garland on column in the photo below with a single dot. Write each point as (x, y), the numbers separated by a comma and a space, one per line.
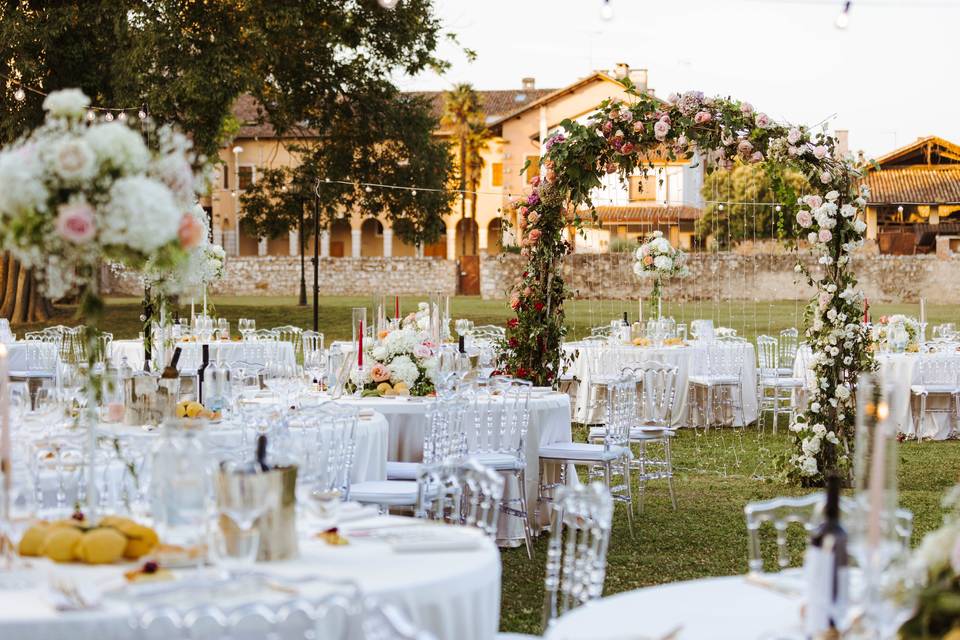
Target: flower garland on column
(627, 137)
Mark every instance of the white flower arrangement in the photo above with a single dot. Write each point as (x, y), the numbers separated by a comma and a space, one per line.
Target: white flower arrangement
(74, 193)
(204, 264)
(657, 257)
(401, 362)
(888, 327)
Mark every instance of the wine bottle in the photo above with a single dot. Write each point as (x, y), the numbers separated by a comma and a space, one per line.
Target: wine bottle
(262, 453)
(462, 344)
(205, 362)
(171, 371)
(625, 322)
(825, 570)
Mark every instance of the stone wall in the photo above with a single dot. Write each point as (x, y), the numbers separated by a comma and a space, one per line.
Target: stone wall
(729, 276)
(280, 276)
(724, 276)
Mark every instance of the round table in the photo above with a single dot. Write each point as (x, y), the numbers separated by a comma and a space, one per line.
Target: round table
(226, 351)
(728, 608)
(451, 594)
(31, 358)
(689, 359)
(549, 423)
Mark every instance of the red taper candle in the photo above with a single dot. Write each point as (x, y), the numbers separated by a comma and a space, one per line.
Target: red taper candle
(360, 345)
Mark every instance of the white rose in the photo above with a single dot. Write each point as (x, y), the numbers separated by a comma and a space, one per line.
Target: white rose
(832, 438)
(73, 160)
(379, 352)
(809, 466)
(859, 226)
(118, 147)
(66, 103)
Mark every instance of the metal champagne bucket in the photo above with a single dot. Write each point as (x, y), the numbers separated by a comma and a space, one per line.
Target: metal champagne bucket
(278, 524)
(143, 402)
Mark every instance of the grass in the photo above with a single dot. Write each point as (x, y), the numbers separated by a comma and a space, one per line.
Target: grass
(718, 470)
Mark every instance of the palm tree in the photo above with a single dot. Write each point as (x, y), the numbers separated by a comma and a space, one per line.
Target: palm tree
(463, 116)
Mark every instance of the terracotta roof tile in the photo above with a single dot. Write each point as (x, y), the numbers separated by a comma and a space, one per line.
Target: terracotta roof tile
(915, 185)
(494, 103)
(646, 214)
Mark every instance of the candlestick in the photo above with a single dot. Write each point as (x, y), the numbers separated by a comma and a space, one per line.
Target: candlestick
(6, 457)
(193, 312)
(204, 300)
(923, 310)
(360, 345)
(640, 309)
(877, 481)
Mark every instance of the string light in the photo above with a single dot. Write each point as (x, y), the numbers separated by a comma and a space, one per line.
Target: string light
(142, 114)
(20, 95)
(414, 193)
(108, 117)
(606, 11)
(122, 117)
(91, 115)
(843, 20)
(388, 4)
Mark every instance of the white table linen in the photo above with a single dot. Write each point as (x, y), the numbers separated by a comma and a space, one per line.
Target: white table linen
(21, 356)
(227, 351)
(689, 360)
(451, 594)
(711, 609)
(549, 423)
(900, 371)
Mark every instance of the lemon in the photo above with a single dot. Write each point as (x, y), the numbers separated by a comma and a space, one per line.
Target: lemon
(181, 409)
(60, 542)
(32, 540)
(383, 388)
(101, 546)
(401, 389)
(194, 409)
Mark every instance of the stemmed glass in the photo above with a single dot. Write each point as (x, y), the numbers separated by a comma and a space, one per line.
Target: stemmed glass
(246, 327)
(244, 493)
(486, 361)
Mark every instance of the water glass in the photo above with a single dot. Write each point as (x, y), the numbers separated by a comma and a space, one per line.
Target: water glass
(233, 552)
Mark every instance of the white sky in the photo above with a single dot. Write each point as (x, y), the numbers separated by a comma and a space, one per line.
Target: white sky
(891, 76)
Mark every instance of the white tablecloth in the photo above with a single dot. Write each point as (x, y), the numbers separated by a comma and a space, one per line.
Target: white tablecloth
(899, 371)
(452, 594)
(690, 360)
(711, 609)
(549, 422)
(191, 355)
(19, 362)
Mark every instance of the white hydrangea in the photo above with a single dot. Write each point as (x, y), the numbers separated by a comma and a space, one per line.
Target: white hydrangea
(72, 160)
(175, 172)
(403, 369)
(400, 341)
(663, 263)
(361, 377)
(119, 147)
(379, 352)
(141, 214)
(66, 103)
(21, 187)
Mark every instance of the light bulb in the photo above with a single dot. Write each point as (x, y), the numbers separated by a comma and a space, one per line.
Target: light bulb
(91, 115)
(122, 117)
(108, 117)
(778, 208)
(368, 189)
(142, 114)
(388, 4)
(843, 20)
(20, 95)
(720, 207)
(606, 10)
(414, 193)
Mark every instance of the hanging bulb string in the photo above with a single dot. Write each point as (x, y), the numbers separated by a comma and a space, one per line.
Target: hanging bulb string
(20, 95)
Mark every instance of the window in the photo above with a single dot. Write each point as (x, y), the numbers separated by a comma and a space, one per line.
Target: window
(225, 169)
(496, 175)
(533, 169)
(245, 176)
(643, 187)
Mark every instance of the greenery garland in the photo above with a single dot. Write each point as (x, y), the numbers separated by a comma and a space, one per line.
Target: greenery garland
(627, 137)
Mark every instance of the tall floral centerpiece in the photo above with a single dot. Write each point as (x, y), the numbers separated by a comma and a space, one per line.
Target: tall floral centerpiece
(624, 137)
(657, 259)
(76, 193)
(402, 362)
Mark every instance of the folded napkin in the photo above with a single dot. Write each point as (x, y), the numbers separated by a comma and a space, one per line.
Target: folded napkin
(67, 595)
(423, 538)
(366, 414)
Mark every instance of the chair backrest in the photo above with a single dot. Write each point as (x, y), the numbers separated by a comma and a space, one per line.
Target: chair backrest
(621, 411)
(499, 412)
(603, 331)
(445, 435)
(577, 550)
(266, 335)
(767, 355)
(787, 347)
(805, 511)
(323, 438)
(310, 342)
(657, 385)
(490, 332)
(293, 335)
(702, 329)
(725, 358)
(939, 369)
(460, 491)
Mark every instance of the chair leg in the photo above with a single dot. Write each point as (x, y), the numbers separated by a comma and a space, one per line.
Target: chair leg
(642, 480)
(626, 481)
(923, 416)
(668, 456)
(521, 479)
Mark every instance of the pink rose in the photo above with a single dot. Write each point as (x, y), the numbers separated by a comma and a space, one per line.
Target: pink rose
(820, 151)
(756, 157)
(627, 148)
(744, 148)
(534, 236)
(746, 108)
(793, 137)
(607, 126)
(528, 292)
(190, 232)
(763, 120)
(703, 117)
(522, 211)
(514, 302)
(661, 129)
(533, 218)
(379, 373)
(638, 127)
(824, 235)
(75, 222)
(804, 219)
(522, 223)
(551, 175)
(422, 351)
(813, 202)
(535, 181)
(825, 177)
(824, 299)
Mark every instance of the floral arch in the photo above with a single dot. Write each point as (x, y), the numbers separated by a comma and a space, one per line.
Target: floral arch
(621, 138)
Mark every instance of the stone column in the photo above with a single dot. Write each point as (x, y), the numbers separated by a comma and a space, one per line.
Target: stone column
(355, 243)
(387, 242)
(451, 242)
(294, 243)
(871, 223)
(325, 243)
(262, 247)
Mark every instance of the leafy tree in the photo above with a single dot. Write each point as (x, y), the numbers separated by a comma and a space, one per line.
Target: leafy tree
(464, 118)
(750, 183)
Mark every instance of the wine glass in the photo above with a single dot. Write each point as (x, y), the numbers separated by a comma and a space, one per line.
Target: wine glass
(22, 501)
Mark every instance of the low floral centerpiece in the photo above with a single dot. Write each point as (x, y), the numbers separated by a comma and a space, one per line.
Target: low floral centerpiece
(897, 332)
(401, 362)
(656, 258)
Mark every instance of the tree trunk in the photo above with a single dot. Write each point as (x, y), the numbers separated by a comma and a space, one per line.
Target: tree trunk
(21, 302)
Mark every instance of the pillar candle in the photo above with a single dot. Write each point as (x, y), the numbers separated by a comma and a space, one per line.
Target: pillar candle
(640, 310)
(396, 308)
(877, 482)
(6, 457)
(923, 310)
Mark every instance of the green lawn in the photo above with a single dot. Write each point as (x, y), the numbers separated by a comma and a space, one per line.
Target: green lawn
(719, 471)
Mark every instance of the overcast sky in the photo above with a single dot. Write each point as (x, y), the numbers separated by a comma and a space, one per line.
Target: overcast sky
(891, 76)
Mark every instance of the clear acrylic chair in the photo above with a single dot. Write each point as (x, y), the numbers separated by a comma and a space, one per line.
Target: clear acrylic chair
(938, 378)
(603, 459)
(576, 552)
(498, 414)
(488, 332)
(652, 430)
(787, 346)
(444, 438)
(805, 511)
(310, 344)
(719, 384)
(776, 390)
(323, 439)
(462, 492)
(265, 335)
